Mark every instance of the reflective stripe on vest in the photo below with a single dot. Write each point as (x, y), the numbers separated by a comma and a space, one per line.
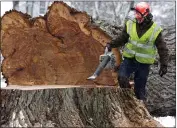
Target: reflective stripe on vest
(146, 46)
(139, 54)
(143, 49)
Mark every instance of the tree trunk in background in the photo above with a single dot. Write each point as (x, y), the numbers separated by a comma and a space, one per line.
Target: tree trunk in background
(162, 90)
(132, 4)
(165, 16)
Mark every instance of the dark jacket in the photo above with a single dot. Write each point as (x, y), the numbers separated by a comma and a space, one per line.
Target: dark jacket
(123, 37)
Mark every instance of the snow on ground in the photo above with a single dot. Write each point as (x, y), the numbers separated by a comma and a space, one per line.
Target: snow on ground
(167, 121)
(3, 84)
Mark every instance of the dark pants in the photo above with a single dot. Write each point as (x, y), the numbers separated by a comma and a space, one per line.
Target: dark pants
(141, 71)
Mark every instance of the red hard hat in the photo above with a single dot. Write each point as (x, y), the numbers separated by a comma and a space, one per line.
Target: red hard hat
(142, 9)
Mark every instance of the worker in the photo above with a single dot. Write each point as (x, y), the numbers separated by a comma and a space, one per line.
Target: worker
(142, 39)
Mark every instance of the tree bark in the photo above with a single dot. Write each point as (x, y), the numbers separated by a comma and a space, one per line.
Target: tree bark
(74, 107)
(162, 90)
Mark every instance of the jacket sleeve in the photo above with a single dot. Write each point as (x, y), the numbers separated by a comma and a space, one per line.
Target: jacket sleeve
(162, 49)
(121, 39)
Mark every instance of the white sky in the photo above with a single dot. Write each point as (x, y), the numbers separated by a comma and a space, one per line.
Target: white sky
(6, 6)
(166, 121)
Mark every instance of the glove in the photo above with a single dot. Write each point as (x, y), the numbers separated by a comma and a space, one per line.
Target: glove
(108, 45)
(163, 70)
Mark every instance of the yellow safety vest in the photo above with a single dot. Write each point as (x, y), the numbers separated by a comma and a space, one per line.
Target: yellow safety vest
(143, 49)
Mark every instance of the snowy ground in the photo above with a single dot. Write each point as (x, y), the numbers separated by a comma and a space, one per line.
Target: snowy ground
(168, 121)
(3, 84)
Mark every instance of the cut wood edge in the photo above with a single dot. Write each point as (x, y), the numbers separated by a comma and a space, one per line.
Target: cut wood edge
(41, 87)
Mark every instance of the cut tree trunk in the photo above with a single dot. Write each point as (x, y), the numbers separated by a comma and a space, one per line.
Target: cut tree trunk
(74, 107)
(61, 48)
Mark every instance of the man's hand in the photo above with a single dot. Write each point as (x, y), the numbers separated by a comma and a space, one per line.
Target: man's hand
(163, 70)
